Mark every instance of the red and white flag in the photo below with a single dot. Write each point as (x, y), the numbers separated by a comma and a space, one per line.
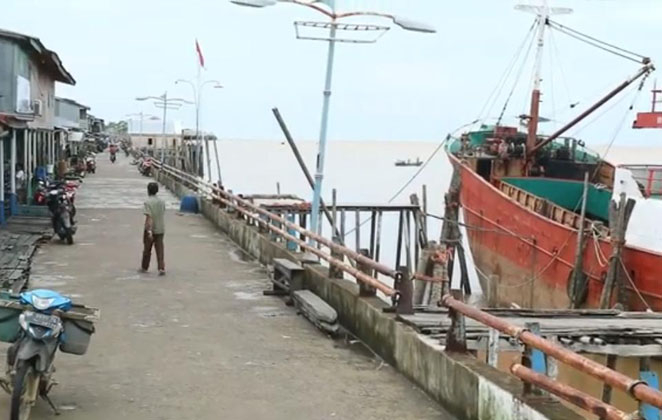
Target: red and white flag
(201, 57)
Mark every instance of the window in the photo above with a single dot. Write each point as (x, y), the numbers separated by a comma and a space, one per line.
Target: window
(150, 141)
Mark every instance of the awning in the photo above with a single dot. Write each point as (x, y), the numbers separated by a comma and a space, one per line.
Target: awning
(12, 122)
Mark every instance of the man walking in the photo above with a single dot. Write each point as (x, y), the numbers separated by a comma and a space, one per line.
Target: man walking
(154, 229)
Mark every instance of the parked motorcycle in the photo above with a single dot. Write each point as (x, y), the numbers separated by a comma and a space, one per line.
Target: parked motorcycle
(46, 320)
(145, 167)
(62, 209)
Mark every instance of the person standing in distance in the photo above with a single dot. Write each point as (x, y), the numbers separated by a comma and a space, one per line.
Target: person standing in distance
(154, 229)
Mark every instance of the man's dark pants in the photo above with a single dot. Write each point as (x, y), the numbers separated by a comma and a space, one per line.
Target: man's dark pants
(157, 242)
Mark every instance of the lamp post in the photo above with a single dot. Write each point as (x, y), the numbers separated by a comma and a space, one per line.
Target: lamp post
(334, 25)
(165, 103)
(197, 98)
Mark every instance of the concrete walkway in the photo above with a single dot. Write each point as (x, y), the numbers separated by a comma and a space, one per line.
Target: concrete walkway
(202, 342)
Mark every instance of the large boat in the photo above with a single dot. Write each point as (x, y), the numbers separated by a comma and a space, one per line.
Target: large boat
(522, 195)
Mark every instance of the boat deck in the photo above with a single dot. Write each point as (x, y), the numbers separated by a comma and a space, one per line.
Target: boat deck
(633, 334)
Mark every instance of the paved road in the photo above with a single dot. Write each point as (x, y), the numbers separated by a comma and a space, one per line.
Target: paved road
(202, 342)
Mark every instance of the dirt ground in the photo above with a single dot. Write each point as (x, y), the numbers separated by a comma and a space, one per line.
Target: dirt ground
(201, 342)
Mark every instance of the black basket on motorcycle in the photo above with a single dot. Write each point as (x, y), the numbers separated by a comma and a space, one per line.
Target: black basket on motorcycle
(76, 337)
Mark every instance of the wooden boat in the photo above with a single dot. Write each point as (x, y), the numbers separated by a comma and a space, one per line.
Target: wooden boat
(521, 194)
(409, 162)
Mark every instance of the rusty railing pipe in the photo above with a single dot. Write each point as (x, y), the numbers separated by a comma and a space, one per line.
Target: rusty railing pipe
(568, 393)
(371, 281)
(380, 268)
(636, 388)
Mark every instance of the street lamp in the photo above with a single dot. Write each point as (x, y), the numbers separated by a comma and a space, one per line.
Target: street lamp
(197, 98)
(165, 103)
(329, 11)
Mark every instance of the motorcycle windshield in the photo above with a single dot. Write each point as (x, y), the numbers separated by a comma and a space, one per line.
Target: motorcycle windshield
(45, 300)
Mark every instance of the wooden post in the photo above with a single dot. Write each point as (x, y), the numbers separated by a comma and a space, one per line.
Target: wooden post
(493, 347)
(552, 364)
(334, 271)
(342, 225)
(408, 262)
(373, 228)
(378, 235)
(578, 279)
(404, 286)
(421, 288)
(364, 289)
(398, 249)
(606, 389)
(302, 223)
(618, 219)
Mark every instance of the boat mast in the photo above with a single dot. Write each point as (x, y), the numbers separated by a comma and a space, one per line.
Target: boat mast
(542, 11)
(534, 114)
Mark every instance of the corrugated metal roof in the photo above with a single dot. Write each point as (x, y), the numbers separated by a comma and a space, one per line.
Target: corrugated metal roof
(49, 59)
(72, 102)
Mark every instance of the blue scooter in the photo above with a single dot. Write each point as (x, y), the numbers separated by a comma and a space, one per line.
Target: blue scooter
(30, 358)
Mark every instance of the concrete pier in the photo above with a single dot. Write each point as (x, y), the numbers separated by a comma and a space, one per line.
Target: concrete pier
(201, 342)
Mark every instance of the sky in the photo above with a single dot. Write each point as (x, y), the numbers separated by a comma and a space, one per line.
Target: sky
(406, 86)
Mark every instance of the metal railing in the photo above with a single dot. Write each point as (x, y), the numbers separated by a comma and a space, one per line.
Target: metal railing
(401, 293)
(648, 176)
(638, 389)
(362, 269)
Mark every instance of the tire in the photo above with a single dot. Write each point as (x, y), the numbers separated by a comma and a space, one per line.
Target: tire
(26, 382)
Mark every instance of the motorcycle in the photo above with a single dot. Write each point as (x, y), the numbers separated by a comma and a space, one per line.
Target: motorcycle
(40, 194)
(91, 164)
(145, 167)
(43, 325)
(62, 209)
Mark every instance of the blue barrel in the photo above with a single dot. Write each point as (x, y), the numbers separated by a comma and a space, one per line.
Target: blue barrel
(189, 204)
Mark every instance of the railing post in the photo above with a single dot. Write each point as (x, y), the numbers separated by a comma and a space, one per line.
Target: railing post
(647, 411)
(364, 289)
(291, 246)
(406, 292)
(532, 358)
(334, 271)
(493, 347)
(456, 338)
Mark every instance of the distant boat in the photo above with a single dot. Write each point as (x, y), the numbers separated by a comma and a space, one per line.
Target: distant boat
(409, 162)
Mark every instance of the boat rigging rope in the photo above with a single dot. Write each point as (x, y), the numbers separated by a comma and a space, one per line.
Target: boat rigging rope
(605, 46)
(552, 41)
(648, 308)
(418, 172)
(600, 256)
(516, 81)
(489, 103)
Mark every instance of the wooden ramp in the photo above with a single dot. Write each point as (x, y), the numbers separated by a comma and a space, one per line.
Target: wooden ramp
(634, 334)
(18, 243)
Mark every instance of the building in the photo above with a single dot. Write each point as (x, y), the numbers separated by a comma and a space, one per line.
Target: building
(154, 141)
(28, 135)
(70, 114)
